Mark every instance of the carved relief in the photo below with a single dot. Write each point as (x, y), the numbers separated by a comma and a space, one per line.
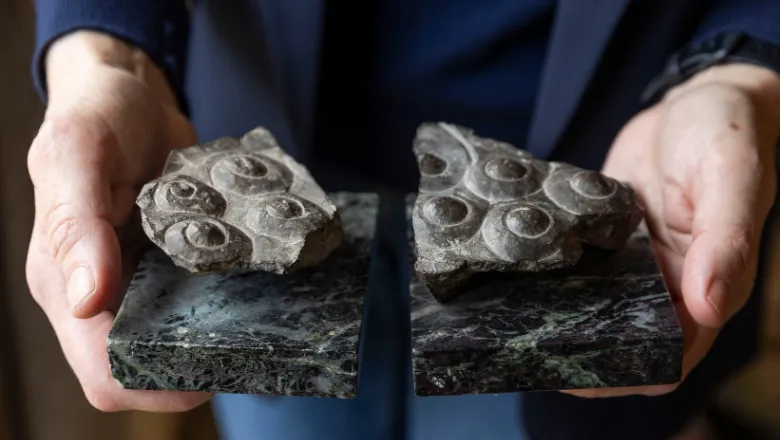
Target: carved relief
(485, 205)
(239, 203)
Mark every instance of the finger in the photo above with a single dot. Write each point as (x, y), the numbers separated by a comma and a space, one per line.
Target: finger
(602, 393)
(728, 215)
(84, 343)
(73, 200)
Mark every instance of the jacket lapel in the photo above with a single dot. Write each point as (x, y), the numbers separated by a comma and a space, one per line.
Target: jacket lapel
(579, 38)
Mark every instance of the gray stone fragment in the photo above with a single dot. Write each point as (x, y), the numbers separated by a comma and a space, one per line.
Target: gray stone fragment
(239, 203)
(486, 206)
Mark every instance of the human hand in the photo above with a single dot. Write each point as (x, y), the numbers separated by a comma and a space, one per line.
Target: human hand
(702, 162)
(109, 126)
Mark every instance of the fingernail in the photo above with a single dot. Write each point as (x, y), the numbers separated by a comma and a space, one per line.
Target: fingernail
(81, 285)
(719, 290)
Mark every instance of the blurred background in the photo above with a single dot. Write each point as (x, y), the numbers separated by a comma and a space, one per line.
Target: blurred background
(40, 398)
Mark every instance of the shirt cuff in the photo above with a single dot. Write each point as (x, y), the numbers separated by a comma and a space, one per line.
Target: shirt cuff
(157, 27)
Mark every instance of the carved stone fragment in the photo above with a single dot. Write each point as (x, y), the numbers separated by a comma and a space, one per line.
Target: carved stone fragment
(239, 203)
(486, 206)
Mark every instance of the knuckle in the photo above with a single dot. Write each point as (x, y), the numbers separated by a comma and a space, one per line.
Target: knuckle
(38, 157)
(58, 138)
(64, 229)
(47, 142)
(68, 125)
(739, 242)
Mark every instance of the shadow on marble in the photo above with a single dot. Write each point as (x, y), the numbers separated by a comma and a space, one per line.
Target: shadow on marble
(249, 332)
(607, 322)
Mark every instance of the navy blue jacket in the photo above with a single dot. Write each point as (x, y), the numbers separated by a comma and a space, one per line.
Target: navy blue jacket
(264, 55)
(260, 58)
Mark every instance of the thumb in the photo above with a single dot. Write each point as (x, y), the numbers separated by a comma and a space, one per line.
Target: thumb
(87, 250)
(721, 262)
(68, 167)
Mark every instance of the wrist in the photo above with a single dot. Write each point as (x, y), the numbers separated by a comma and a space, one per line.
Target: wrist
(760, 84)
(748, 77)
(72, 57)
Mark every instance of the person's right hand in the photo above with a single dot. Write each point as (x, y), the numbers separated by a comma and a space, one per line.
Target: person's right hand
(110, 123)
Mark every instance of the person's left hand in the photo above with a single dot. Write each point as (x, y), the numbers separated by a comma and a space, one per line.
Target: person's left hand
(702, 162)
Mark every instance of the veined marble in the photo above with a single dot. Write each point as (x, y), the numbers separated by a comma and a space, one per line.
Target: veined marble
(599, 324)
(249, 332)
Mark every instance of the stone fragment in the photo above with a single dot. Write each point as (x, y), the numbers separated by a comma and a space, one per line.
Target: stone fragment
(239, 203)
(486, 206)
(252, 332)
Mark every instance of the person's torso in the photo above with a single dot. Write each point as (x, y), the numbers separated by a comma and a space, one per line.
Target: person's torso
(257, 62)
(388, 66)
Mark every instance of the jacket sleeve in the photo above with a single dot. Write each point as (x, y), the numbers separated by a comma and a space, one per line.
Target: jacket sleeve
(757, 18)
(158, 27)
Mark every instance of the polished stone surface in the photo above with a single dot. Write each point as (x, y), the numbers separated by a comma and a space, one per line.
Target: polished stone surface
(239, 204)
(249, 332)
(595, 325)
(486, 206)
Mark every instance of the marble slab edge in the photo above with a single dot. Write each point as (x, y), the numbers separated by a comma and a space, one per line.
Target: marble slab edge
(249, 332)
(593, 326)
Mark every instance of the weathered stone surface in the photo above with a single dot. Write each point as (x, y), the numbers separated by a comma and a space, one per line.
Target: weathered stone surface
(249, 332)
(486, 206)
(605, 322)
(239, 203)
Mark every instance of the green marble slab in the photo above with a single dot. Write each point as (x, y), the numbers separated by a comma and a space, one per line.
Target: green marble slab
(249, 332)
(602, 324)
